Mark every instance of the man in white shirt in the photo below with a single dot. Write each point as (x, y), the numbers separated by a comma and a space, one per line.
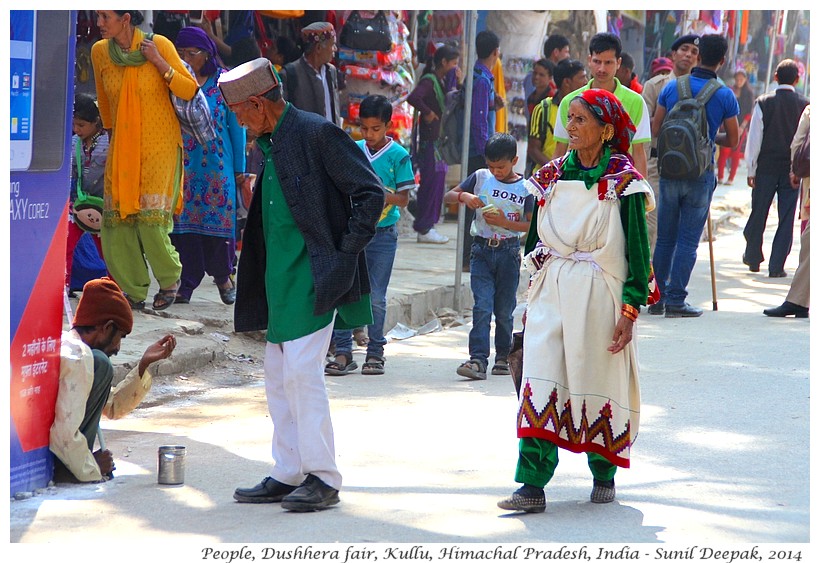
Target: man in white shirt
(768, 159)
(102, 320)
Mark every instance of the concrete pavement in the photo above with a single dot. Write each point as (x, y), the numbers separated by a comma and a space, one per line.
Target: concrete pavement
(722, 456)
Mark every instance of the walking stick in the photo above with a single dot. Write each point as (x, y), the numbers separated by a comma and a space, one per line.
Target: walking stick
(711, 259)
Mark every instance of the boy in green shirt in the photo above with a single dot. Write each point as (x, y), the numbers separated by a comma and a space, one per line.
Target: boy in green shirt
(392, 164)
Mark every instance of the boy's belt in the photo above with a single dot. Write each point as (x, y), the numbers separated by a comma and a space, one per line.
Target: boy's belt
(497, 242)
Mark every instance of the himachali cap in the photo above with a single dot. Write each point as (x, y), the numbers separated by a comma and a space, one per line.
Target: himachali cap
(691, 38)
(318, 32)
(661, 63)
(253, 78)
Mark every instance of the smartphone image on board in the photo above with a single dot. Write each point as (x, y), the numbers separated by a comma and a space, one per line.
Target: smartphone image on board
(21, 67)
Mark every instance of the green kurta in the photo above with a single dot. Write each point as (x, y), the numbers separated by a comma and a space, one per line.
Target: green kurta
(288, 278)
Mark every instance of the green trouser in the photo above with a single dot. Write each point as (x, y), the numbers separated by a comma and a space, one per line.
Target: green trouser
(98, 397)
(537, 460)
(126, 247)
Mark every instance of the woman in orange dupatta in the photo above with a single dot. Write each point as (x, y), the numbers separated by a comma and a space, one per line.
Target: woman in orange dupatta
(143, 176)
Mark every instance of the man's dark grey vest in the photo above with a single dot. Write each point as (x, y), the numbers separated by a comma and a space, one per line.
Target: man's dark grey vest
(781, 112)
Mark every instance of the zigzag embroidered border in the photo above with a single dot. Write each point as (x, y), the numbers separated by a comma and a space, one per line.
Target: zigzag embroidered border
(560, 427)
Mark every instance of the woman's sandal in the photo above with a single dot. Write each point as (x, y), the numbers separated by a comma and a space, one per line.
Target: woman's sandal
(336, 367)
(373, 366)
(135, 305)
(164, 298)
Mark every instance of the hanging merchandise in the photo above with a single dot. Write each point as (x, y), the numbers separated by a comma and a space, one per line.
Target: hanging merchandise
(366, 34)
(515, 70)
(447, 26)
(282, 14)
(87, 34)
(261, 30)
(373, 69)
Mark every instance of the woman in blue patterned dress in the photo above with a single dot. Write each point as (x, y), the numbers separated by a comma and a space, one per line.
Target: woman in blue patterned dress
(204, 232)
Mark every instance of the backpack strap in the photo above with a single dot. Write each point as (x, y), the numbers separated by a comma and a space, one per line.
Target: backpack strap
(708, 91)
(78, 163)
(684, 87)
(546, 103)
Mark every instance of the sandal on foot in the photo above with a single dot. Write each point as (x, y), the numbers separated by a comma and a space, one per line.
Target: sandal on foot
(135, 305)
(373, 366)
(336, 367)
(501, 367)
(472, 369)
(164, 298)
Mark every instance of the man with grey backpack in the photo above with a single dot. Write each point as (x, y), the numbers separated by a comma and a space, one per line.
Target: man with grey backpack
(686, 123)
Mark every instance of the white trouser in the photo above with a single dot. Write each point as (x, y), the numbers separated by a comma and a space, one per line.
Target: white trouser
(300, 411)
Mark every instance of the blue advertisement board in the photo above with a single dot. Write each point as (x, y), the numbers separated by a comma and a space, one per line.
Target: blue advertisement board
(41, 66)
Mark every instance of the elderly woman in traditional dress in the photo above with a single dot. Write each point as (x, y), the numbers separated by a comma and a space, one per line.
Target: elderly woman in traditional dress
(204, 232)
(590, 271)
(135, 75)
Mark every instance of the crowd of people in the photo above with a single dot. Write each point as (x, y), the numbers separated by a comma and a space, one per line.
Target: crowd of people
(320, 233)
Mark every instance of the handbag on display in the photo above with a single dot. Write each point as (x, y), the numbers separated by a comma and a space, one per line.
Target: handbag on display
(366, 34)
(87, 210)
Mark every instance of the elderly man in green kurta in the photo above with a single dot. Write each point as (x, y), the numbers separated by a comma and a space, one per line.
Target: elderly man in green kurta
(314, 209)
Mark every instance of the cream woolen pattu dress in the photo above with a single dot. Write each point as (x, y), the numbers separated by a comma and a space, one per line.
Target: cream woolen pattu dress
(575, 393)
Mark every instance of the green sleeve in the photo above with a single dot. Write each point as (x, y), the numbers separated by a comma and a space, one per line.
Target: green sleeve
(633, 219)
(532, 234)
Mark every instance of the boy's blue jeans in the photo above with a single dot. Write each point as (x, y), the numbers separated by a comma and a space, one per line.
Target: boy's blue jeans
(379, 254)
(494, 274)
(682, 212)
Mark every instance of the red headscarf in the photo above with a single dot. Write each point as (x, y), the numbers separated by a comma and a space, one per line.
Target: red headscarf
(609, 110)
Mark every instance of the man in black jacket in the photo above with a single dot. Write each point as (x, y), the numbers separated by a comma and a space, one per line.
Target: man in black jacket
(774, 121)
(314, 209)
(311, 82)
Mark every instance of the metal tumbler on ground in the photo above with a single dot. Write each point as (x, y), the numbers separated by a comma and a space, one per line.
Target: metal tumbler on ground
(171, 465)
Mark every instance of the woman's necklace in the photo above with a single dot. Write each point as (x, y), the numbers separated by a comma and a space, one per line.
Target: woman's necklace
(127, 47)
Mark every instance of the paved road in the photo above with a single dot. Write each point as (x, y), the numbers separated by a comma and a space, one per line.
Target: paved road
(722, 456)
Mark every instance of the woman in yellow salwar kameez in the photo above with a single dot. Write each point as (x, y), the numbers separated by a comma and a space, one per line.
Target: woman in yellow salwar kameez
(143, 176)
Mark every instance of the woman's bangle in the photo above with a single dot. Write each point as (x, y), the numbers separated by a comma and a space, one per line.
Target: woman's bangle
(629, 312)
(169, 74)
(459, 196)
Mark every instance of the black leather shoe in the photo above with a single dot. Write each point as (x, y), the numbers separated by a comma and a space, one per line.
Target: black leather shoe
(685, 310)
(312, 494)
(752, 267)
(787, 309)
(269, 490)
(656, 309)
(777, 274)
